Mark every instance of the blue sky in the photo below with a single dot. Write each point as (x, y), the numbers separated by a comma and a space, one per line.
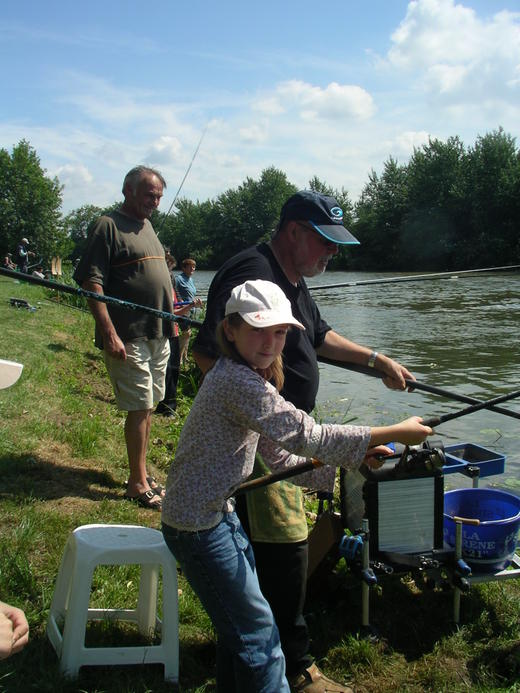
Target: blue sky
(328, 89)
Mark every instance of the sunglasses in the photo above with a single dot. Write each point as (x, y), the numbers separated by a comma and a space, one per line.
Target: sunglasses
(324, 241)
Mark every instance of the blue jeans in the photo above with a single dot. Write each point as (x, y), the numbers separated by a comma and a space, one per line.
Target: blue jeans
(220, 567)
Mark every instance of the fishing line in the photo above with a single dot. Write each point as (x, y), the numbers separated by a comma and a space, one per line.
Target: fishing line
(413, 278)
(182, 181)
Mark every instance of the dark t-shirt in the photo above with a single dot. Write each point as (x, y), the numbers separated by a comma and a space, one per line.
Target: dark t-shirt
(22, 257)
(300, 364)
(126, 258)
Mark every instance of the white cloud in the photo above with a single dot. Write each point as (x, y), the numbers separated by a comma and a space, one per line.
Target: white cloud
(434, 31)
(82, 38)
(402, 145)
(164, 150)
(118, 109)
(448, 78)
(74, 175)
(444, 59)
(254, 134)
(335, 101)
(453, 53)
(270, 105)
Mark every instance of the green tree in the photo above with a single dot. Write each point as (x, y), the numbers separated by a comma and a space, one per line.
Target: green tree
(77, 225)
(248, 214)
(30, 204)
(379, 215)
(212, 231)
(429, 233)
(493, 192)
(189, 232)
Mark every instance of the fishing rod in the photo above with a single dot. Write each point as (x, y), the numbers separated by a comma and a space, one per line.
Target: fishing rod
(416, 385)
(182, 181)
(36, 264)
(412, 278)
(373, 372)
(273, 478)
(432, 421)
(56, 301)
(437, 420)
(110, 300)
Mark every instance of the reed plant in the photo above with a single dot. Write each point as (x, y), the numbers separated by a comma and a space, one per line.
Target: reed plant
(63, 464)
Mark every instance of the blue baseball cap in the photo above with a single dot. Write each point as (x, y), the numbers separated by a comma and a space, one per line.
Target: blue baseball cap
(322, 212)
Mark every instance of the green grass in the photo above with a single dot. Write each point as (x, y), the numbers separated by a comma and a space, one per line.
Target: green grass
(63, 464)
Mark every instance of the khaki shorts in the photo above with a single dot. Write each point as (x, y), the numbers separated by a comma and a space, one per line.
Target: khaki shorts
(138, 381)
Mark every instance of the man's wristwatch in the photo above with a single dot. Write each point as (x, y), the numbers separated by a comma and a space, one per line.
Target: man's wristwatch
(372, 359)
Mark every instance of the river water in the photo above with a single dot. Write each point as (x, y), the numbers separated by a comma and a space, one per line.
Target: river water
(457, 333)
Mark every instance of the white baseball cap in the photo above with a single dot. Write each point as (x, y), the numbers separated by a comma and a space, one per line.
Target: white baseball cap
(261, 304)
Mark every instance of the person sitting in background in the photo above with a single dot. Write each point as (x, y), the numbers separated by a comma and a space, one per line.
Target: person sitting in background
(38, 272)
(14, 630)
(8, 262)
(186, 290)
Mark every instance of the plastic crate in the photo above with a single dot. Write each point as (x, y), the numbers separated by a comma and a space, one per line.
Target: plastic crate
(462, 455)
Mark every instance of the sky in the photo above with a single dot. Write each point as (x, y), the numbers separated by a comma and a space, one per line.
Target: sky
(315, 89)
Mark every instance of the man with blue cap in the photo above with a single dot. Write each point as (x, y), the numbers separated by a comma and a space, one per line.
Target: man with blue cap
(308, 235)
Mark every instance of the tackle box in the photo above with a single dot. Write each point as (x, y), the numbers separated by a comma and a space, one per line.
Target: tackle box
(462, 455)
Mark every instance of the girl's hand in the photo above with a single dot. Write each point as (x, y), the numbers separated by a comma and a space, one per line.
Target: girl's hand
(372, 458)
(411, 431)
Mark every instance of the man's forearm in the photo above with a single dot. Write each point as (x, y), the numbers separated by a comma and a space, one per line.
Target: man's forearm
(99, 309)
(112, 344)
(341, 349)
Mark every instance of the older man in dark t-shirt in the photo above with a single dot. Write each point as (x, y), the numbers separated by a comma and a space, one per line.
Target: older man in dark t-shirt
(125, 259)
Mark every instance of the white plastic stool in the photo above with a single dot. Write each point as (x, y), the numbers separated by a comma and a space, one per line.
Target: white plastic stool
(92, 545)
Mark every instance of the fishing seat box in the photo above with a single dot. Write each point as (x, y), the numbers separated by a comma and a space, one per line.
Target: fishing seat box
(404, 512)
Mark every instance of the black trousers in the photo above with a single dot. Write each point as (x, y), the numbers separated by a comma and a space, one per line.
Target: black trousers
(282, 574)
(172, 377)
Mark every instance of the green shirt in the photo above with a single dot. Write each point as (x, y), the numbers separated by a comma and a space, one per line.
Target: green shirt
(126, 258)
(276, 514)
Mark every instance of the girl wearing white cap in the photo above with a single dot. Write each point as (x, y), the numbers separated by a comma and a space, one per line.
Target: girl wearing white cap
(237, 405)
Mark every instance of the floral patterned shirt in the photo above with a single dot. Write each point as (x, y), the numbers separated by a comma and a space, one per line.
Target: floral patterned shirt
(234, 408)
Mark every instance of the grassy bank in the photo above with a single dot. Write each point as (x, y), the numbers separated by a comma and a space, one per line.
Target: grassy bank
(63, 464)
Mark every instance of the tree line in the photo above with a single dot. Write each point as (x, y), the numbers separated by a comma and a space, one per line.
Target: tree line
(450, 207)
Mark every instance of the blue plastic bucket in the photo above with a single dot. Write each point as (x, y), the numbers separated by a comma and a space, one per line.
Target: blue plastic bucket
(490, 545)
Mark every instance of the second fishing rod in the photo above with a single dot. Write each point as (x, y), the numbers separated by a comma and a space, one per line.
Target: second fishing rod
(92, 295)
(372, 372)
(431, 421)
